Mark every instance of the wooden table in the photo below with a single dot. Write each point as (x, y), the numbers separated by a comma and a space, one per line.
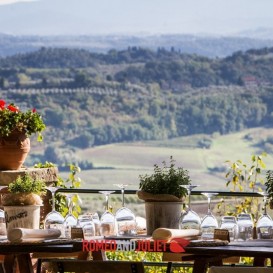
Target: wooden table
(202, 257)
(206, 256)
(22, 253)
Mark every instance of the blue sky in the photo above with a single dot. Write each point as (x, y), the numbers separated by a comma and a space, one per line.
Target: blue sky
(222, 17)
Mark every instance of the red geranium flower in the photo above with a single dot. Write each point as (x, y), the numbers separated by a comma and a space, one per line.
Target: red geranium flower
(13, 108)
(2, 104)
(12, 119)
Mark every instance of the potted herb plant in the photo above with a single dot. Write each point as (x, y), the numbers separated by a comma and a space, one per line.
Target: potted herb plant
(22, 202)
(163, 194)
(15, 128)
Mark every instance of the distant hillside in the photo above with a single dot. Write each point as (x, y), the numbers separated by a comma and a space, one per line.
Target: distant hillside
(256, 33)
(92, 99)
(208, 46)
(170, 69)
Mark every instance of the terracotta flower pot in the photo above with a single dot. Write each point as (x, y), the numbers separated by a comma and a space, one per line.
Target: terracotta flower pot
(13, 151)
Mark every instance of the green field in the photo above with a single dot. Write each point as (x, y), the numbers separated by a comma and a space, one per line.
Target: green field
(125, 162)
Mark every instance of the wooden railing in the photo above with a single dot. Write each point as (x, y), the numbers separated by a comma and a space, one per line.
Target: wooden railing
(220, 193)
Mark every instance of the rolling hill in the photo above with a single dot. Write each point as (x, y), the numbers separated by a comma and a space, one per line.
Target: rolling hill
(123, 163)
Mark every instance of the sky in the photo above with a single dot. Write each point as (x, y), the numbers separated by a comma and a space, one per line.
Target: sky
(8, 2)
(56, 17)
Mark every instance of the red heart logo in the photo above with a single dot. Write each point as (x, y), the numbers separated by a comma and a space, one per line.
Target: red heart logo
(175, 247)
(178, 244)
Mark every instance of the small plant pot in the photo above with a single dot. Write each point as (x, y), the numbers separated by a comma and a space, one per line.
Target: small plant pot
(22, 217)
(162, 214)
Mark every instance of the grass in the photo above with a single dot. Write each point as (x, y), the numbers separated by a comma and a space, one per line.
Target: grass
(128, 160)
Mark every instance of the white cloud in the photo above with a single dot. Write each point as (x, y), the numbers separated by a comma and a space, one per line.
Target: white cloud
(8, 2)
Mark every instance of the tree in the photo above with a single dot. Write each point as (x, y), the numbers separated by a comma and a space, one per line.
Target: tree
(83, 141)
(2, 83)
(51, 154)
(81, 80)
(54, 117)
